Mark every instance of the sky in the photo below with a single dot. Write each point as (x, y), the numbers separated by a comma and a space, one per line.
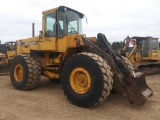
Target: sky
(114, 18)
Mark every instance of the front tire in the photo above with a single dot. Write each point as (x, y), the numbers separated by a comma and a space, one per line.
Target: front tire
(86, 79)
(25, 72)
(128, 63)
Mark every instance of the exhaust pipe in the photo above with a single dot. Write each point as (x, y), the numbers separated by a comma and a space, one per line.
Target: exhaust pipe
(33, 30)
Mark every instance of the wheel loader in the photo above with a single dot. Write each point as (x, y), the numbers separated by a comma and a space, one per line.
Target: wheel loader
(145, 54)
(7, 52)
(86, 66)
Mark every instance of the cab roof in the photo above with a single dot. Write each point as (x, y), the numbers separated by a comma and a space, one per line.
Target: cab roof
(62, 8)
(137, 37)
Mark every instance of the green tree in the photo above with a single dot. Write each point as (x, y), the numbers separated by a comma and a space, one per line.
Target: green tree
(117, 45)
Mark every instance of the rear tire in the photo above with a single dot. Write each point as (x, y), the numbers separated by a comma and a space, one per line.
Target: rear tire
(86, 79)
(25, 72)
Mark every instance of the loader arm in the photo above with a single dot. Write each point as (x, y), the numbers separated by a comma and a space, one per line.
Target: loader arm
(125, 80)
(117, 85)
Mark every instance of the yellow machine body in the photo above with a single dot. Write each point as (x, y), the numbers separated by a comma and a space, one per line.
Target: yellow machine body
(86, 66)
(145, 55)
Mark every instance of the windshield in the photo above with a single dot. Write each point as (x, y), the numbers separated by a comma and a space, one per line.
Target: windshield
(70, 21)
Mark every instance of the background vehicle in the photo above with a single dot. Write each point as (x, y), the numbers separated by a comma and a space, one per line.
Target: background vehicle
(87, 71)
(145, 56)
(7, 52)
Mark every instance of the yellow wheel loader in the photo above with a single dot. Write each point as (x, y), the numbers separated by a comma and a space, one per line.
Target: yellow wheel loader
(145, 54)
(86, 66)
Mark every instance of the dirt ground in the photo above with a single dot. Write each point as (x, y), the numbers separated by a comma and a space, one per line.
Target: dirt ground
(47, 102)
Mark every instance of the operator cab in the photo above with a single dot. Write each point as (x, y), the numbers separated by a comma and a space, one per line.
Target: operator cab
(62, 21)
(147, 45)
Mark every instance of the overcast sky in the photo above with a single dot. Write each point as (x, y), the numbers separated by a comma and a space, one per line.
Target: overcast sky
(115, 18)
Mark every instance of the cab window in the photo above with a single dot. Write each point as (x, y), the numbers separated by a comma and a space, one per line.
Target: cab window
(72, 27)
(154, 45)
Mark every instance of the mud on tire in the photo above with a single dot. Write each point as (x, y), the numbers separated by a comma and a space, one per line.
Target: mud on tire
(25, 72)
(94, 72)
(130, 66)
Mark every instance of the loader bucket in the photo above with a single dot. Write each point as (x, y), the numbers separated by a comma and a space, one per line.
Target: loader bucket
(137, 89)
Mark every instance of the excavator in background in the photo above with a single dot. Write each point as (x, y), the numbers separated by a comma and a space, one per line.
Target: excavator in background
(7, 52)
(86, 66)
(145, 54)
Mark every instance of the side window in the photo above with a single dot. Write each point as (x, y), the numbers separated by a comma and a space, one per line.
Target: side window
(154, 45)
(72, 27)
(145, 48)
(50, 25)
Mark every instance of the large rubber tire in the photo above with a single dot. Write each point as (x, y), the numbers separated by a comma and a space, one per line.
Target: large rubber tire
(96, 72)
(129, 64)
(25, 72)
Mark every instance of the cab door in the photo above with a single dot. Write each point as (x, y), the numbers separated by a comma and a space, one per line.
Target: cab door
(48, 42)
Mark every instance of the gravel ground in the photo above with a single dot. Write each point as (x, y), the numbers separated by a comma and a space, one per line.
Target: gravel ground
(47, 102)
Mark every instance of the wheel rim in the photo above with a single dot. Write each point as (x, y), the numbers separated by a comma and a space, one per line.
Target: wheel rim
(18, 73)
(80, 80)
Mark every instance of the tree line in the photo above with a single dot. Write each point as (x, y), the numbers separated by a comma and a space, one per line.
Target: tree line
(117, 45)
